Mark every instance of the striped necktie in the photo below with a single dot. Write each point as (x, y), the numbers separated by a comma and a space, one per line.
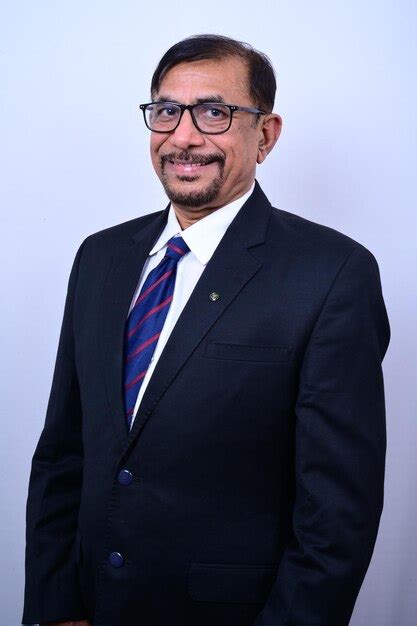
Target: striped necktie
(146, 319)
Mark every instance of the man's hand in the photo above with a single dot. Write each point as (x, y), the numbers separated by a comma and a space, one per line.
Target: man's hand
(82, 623)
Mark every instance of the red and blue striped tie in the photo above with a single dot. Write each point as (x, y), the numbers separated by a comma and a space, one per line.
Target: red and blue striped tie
(146, 319)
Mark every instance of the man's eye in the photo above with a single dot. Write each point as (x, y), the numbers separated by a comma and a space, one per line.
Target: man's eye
(215, 113)
(166, 112)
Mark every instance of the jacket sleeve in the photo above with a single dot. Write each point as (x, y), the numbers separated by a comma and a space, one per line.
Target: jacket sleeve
(340, 442)
(52, 590)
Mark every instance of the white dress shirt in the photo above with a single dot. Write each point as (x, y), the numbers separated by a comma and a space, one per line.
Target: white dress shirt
(202, 238)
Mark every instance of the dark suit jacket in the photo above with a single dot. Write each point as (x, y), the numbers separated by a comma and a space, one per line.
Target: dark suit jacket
(257, 454)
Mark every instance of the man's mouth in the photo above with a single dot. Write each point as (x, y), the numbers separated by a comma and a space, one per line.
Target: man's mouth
(190, 165)
(184, 167)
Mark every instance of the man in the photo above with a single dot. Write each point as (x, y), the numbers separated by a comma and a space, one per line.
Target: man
(213, 452)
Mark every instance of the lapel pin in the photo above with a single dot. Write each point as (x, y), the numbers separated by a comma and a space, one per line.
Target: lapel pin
(214, 296)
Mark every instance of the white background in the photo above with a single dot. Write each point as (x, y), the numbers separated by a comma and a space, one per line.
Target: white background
(74, 159)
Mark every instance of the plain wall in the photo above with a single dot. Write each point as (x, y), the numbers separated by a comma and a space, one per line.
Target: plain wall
(74, 159)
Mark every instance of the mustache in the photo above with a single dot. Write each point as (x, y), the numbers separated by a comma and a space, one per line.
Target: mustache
(187, 157)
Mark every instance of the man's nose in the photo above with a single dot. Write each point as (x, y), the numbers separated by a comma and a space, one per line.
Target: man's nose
(186, 134)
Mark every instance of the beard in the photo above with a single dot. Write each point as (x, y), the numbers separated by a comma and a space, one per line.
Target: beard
(191, 198)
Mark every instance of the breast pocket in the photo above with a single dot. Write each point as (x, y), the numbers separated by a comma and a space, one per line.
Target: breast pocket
(246, 352)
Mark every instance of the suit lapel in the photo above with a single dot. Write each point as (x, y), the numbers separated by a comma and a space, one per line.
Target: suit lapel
(122, 281)
(230, 268)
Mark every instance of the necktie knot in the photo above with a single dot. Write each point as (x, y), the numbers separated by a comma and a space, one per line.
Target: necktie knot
(176, 248)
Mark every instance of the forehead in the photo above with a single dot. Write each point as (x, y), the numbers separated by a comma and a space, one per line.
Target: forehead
(224, 78)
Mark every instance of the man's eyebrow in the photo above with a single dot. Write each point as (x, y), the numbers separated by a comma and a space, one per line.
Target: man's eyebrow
(211, 98)
(208, 98)
(164, 99)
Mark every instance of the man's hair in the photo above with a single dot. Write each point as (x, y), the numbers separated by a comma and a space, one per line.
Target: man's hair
(261, 76)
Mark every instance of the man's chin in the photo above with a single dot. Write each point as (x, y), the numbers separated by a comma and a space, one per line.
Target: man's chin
(188, 191)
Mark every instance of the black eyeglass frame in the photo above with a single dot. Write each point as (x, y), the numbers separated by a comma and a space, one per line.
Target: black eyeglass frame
(189, 107)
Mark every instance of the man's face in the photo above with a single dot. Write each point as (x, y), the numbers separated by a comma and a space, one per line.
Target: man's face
(226, 162)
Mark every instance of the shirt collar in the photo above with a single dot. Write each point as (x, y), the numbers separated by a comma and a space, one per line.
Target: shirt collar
(203, 236)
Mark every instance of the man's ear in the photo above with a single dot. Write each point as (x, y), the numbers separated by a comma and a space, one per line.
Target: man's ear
(269, 133)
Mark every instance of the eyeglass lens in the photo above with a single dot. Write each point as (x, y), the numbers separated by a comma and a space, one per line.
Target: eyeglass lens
(210, 117)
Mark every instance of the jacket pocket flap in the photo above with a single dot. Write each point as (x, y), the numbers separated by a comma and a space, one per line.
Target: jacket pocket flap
(213, 582)
(244, 352)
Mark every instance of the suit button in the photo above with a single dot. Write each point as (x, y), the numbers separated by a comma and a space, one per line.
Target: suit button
(116, 559)
(125, 477)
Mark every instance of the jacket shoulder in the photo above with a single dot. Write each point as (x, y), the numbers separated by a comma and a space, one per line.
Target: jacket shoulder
(124, 230)
(313, 240)
(102, 244)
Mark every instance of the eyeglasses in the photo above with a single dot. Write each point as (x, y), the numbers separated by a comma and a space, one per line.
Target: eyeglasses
(210, 118)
